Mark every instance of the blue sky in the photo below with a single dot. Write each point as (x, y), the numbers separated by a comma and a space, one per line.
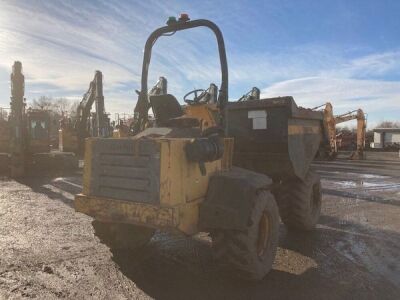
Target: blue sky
(346, 52)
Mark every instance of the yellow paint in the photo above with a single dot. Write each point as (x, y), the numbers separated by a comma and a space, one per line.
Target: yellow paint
(189, 217)
(121, 131)
(110, 210)
(226, 161)
(300, 130)
(206, 113)
(67, 140)
(87, 167)
(182, 189)
(180, 180)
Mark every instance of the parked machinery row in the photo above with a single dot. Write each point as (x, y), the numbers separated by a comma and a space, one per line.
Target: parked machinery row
(25, 141)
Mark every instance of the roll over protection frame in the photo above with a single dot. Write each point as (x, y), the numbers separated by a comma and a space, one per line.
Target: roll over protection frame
(142, 105)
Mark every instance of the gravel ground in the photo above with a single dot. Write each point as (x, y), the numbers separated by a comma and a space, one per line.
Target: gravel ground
(48, 251)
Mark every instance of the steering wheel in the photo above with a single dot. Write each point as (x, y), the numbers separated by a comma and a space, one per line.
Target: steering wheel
(196, 98)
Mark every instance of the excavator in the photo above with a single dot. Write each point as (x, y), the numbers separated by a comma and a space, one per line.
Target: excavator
(328, 148)
(72, 135)
(253, 94)
(178, 176)
(29, 135)
(121, 126)
(122, 129)
(358, 115)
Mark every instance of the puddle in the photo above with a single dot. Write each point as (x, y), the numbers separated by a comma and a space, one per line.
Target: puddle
(358, 175)
(361, 184)
(369, 176)
(347, 183)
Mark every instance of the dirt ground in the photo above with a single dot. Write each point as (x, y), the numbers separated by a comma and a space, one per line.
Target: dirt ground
(49, 251)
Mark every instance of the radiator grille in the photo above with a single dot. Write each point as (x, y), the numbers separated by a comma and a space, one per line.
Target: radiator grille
(126, 169)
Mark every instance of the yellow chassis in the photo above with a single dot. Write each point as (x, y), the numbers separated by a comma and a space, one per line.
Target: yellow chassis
(180, 217)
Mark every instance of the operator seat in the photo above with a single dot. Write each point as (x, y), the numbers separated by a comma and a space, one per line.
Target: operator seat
(169, 113)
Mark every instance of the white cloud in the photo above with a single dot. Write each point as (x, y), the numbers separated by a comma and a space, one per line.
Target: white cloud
(61, 46)
(377, 98)
(376, 66)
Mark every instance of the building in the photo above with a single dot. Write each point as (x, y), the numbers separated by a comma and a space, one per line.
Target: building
(386, 137)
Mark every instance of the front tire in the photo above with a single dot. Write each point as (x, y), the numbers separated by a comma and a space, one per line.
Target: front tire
(300, 202)
(251, 252)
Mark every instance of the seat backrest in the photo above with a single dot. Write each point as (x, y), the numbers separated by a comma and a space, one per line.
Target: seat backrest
(165, 107)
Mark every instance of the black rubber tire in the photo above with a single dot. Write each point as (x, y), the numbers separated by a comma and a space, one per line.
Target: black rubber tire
(239, 249)
(300, 202)
(118, 236)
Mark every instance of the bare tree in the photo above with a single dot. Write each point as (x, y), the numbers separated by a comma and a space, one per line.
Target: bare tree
(389, 124)
(43, 102)
(73, 108)
(62, 105)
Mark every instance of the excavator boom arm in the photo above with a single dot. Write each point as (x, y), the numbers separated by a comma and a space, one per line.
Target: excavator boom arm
(93, 95)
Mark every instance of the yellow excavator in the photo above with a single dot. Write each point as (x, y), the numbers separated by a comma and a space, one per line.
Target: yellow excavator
(329, 147)
(27, 134)
(72, 134)
(178, 176)
(122, 129)
(358, 115)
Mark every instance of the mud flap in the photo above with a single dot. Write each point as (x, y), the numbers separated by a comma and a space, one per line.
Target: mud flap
(228, 201)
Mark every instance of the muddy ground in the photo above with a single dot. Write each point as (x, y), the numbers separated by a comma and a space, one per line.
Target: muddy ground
(49, 251)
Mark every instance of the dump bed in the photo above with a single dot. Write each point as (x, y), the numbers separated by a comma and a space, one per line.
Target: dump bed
(274, 136)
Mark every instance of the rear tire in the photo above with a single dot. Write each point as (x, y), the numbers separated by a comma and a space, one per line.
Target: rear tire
(300, 202)
(251, 252)
(118, 236)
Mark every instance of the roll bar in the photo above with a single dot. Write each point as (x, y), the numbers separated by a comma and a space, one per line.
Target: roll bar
(142, 105)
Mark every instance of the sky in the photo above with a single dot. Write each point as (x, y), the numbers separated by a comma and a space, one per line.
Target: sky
(345, 52)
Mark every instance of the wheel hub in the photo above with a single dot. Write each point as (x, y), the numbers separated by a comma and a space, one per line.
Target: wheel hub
(263, 234)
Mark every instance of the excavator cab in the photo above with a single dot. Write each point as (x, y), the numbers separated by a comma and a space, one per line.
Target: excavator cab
(38, 130)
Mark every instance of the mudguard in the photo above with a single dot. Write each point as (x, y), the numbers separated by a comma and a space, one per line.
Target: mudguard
(229, 199)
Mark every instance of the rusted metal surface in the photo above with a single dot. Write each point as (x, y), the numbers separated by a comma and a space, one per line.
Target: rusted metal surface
(146, 171)
(111, 210)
